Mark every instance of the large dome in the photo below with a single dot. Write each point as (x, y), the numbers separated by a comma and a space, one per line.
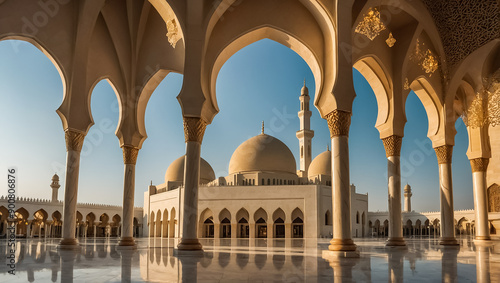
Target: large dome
(321, 165)
(175, 172)
(262, 153)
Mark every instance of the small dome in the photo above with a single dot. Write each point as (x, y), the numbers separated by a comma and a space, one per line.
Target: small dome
(407, 188)
(321, 165)
(262, 153)
(175, 172)
(55, 177)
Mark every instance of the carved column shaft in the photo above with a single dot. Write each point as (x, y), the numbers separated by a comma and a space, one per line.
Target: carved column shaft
(479, 167)
(444, 154)
(339, 123)
(392, 145)
(194, 129)
(74, 144)
(129, 159)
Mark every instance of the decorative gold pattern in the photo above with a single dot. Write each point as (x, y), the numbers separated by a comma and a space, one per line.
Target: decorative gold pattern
(425, 59)
(74, 140)
(130, 154)
(479, 164)
(172, 32)
(444, 154)
(484, 110)
(194, 129)
(464, 25)
(494, 198)
(390, 40)
(371, 25)
(392, 145)
(406, 86)
(338, 122)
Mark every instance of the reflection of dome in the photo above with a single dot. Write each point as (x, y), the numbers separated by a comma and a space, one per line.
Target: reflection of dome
(321, 165)
(55, 177)
(175, 172)
(262, 153)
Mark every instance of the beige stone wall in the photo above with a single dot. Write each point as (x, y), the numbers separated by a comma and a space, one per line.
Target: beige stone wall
(493, 174)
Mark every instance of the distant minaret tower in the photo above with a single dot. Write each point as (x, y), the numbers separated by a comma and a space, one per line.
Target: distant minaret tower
(408, 195)
(55, 187)
(305, 134)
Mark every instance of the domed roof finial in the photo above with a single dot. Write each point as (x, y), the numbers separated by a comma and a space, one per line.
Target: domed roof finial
(327, 147)
(262, 127)
(304, 91)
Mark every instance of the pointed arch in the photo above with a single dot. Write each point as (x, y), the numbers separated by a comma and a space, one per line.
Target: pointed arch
(279, 213)
(431, 102)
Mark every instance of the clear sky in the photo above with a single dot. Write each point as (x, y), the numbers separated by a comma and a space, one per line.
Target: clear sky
(261, 82)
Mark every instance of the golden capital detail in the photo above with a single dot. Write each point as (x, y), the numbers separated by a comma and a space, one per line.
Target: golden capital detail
(479, 164)
(392, 145)
(74, 140)
(444, 154)
(338, 122)
(194, 129)
(130, 154)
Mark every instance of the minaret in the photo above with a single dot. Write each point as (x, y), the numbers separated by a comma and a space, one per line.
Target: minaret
(55, 187)
(305, 134)
(408, 195)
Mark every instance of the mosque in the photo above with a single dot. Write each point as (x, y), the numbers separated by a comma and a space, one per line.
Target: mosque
(264, 196)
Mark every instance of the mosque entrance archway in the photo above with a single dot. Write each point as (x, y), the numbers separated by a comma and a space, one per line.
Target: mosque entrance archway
(298, 228)
(243, 228)
(225, 227)
(261, 228)
(208, 228)
(279, 228)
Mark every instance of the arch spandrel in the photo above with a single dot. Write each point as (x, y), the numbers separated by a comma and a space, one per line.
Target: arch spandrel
(300, 31)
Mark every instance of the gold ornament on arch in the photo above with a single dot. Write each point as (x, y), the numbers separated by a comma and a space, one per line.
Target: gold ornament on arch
(371, 25)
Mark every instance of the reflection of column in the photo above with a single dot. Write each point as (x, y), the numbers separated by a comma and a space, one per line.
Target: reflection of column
(338, 123)
(189, 269)
(479, 166)
(28, 230)
(342, 269)
(444, 154)
(194, 128)
(395, 263)
(67, 265)
(129, 160)
(483, 263)
(74, 143)
(392, 145)
(126, 261)
(449, 264)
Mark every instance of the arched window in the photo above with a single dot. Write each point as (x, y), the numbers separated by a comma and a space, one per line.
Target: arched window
(302, 105)
(263, 181)
(301, 151)
(269, 181)
(309, 150)
(274, 181)
(357, 217)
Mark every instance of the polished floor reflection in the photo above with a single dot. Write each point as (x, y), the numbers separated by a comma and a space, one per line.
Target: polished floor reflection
(256, 260)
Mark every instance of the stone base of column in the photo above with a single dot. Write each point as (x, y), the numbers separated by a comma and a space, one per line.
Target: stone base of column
(190, 245)
(482, 238)
(68, 244)
(342, 245)
(126, 243)
(396, 242)
(448, 241)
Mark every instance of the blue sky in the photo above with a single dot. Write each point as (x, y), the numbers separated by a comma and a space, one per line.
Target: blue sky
(259, 83)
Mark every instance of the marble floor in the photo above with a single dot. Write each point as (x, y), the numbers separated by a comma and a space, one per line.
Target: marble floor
(258, 260)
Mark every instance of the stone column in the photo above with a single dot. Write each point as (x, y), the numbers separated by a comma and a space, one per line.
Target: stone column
(338, 123)
(288, 230)
(216, 230)
(444, 154)
(194, 129)
(251, 231)
(392, 145)
(479, 166)
(270, 230)
(234, 230)
(129, 159)
(74, 143)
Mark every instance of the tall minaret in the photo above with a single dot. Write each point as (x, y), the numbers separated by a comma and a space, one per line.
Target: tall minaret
(408, 195)
(55, 187)
(305, 134)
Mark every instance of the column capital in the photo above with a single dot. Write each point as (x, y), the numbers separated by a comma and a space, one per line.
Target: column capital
(74, 140)
(444, 153)
(130, 154)
(338, 122)
(479, 164)
(194, 129)
(392, 145)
